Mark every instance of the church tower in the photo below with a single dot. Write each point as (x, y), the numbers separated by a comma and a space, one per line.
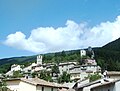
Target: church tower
(39, 59)
(82, 53)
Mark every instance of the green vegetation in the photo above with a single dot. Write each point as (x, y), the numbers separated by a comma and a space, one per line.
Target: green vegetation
(94, 77)
(45, 75)
(108, 59)
(17, 74)
(65, 77)
(34, 74)
(3, 86)
(55, 69)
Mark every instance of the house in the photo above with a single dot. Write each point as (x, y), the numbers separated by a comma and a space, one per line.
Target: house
(100, 85)
(80, 82)
(90, 62)
(83, 71)
(75, 73)
(66, 66)
(32, 84)
(14, 67)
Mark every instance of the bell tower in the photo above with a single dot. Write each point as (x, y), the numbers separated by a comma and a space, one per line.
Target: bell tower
(39, 59)
(82, 53)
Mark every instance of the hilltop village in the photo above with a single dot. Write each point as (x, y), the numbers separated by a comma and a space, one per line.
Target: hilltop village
(75, 70)
(62, 76)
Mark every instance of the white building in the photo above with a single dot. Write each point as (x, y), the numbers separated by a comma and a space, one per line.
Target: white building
(35, 66)
(82, 53)
(27, 69)
(100, 85)
(32, 84)
(39, 59)
(14, 67)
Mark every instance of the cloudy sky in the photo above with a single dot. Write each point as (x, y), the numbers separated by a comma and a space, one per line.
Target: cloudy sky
(29, 27)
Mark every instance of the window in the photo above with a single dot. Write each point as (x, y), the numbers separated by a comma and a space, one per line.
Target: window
(42, 88)
(51, 89)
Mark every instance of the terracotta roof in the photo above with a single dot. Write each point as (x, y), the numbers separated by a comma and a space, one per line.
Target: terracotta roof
(37, 81)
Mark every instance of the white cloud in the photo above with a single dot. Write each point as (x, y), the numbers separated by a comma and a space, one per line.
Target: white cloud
(72, 36)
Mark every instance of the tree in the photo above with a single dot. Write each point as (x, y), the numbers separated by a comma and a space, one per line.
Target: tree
(102, 64)
(34, 74)
(17, 74)
(57, 58)
(45, 75)
(55, 69)
(63, 55)
(94, 77)
(3, 86)
(65, 77)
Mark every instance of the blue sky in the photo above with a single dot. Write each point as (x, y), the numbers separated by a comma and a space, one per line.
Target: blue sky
(29, 27)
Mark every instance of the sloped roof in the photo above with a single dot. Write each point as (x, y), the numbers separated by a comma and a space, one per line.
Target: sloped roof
(37, 81)
(98, 83)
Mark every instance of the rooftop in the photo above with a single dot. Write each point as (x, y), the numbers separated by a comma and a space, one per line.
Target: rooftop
(98, 83)
(37, 81)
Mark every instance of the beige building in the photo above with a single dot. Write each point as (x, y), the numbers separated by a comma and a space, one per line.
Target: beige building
(80, 72)
(75, 73)
(66, 66)
(32, 84)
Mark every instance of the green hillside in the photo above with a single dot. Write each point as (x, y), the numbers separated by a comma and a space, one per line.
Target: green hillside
(109, 55)
(114, 45)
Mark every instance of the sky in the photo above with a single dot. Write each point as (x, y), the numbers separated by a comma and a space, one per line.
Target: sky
(30, 27)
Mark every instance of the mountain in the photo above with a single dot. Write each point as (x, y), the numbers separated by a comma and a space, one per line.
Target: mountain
(108, 57)
(114, 45)
(111, 50)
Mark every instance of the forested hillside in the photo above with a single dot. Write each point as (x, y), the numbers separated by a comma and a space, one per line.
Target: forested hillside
(108, 57)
